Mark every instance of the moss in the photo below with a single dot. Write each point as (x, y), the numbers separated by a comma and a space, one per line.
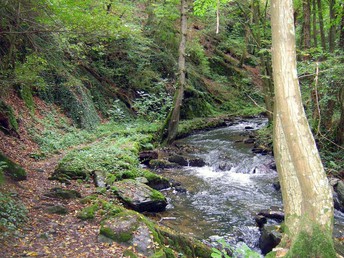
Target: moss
(12, 169)
(159, 254)
(317, 244)
(88, 212)
(157, 196)
(26, 95)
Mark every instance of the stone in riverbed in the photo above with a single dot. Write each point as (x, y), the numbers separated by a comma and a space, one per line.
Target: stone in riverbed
(139, 197)
(187, 161)
(269, 239)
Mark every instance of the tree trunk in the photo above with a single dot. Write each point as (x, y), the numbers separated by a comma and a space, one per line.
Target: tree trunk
(172, 121)
(321, 25)
(332, 32)
(340, 128)
(306, 25)
(307, 196)
(314, 21)
(341, 37)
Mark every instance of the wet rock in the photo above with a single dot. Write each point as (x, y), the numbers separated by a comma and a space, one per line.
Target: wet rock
(197, 162)
(187, 161)
(273, 214)
(63, 193)
(99, 178)
(339, 188)
(276, 185)
(178, 159)
(140, 197)
(269, 239)
(260, 220)
(224, 166)
(272, 166)
(249, 140)
(161, 164)
(249, 128)
(146, 156)
(260, 150)
(180, 189)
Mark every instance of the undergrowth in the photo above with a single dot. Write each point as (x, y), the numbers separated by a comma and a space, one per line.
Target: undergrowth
(12, 214)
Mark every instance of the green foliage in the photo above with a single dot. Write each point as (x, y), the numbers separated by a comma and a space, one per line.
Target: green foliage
(12, 214)
(118, 112)
(28, 73)
(26, 95)
(88, 212)
(153, 107)
(3, 165)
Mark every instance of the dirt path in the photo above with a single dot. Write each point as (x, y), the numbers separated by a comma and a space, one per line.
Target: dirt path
(53, 235)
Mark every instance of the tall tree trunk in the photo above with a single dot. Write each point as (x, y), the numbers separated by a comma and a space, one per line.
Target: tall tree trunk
(306, 25)
(341, 37)
(340, 128)
(172, 121)
(314, 23)
(321, 25)
(332, 32)
(307, 196)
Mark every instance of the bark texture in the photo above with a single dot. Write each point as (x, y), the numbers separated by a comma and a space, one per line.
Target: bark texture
(306, 192)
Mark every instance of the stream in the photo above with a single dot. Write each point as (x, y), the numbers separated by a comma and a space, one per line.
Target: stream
(223, 197)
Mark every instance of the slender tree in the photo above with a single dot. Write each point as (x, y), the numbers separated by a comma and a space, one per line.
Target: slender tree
(321, 25)
(306, 25)
(174, 116)
(314, 23)
(332, 32)
(307, 196)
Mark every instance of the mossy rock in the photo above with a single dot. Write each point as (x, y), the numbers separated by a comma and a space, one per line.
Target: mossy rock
(139, 197)
(188, 246)
(13, 170)
(130, 229)
(162, 164)
(58, 209)
(155, 181)
(63, 193)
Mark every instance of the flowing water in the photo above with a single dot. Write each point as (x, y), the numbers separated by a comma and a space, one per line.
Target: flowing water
(223, 197)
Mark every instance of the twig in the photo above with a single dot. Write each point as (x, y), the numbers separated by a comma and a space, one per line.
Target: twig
(259, 105)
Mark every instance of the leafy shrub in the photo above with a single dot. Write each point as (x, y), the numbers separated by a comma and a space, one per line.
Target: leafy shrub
(3, 165)
(12, 214)
(153, 107)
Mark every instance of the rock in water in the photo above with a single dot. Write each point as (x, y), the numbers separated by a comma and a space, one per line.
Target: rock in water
(140, 197)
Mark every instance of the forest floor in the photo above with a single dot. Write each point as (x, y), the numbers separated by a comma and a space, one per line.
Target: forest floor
(46, 234)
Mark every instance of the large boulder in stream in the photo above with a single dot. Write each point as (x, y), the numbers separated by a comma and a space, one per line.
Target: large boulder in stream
(139, 196)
